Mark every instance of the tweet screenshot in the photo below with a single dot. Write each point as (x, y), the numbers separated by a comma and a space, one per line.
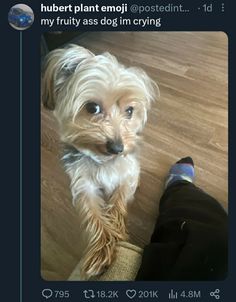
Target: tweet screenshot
(123, 130)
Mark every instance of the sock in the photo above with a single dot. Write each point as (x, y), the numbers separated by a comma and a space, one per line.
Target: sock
(181, 170)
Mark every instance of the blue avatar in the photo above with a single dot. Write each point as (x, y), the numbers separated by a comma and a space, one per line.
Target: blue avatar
(19, 17)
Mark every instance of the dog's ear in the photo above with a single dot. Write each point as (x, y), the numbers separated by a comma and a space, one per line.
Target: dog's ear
(152, 92)
(150, 89)
(58, 65)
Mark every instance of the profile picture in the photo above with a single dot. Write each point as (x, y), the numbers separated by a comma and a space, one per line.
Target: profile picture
(20, 16)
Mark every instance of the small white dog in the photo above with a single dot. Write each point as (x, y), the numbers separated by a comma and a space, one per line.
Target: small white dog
(101, 107)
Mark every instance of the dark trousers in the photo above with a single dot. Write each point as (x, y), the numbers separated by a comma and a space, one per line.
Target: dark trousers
(189, 241)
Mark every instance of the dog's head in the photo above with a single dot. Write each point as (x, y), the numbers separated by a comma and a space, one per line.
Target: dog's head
(100, 105)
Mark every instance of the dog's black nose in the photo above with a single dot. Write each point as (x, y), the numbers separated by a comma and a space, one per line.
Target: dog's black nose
(115, 147)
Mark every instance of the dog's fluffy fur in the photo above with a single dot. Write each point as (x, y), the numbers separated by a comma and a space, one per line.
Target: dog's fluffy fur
(96, 100)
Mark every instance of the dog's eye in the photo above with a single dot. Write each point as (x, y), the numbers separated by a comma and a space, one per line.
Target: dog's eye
(93, 108)
(129, 111)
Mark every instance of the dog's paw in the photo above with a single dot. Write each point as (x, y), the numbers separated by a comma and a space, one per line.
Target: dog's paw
(98, 259)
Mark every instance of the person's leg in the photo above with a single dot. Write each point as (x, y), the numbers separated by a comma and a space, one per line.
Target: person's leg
(189, 241)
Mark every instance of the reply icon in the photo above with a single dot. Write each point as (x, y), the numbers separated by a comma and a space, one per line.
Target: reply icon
(47, 293)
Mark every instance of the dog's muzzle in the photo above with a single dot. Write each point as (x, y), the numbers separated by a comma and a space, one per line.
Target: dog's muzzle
(115, 147)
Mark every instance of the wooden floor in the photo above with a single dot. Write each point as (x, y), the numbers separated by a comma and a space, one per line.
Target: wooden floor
(191, 118)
